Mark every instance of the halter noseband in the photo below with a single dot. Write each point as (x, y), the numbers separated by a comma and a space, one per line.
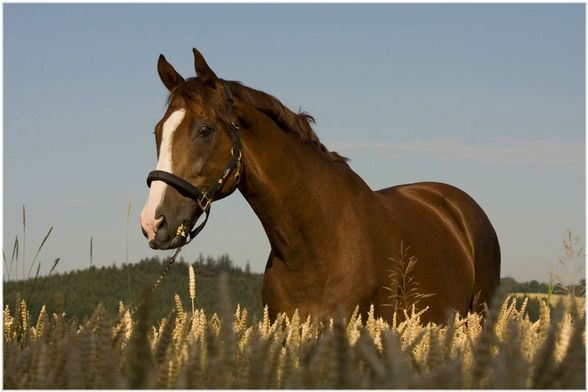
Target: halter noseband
(204, 199)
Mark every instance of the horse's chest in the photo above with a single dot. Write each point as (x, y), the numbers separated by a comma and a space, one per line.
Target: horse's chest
(318, 290)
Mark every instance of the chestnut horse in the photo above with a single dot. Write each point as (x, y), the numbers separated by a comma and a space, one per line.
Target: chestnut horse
(335, 243)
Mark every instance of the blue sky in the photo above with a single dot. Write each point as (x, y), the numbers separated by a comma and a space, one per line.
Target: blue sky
(489, 98)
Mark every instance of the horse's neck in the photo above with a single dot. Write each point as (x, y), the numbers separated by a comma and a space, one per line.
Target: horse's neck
(297, 193)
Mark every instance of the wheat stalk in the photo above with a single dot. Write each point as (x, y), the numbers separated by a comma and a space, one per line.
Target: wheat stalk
(192, 285)
(411, 356)
(194, 351)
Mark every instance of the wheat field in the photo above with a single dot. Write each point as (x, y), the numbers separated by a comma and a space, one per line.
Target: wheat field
(191, 349)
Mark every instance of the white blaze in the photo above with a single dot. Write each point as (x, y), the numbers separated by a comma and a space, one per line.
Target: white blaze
(148, 220)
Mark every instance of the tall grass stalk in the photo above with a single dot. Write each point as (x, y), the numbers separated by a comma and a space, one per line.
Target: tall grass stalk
(4, 276)
(572, 266)
(55, 262)
(13, 257)
(31, 296)
(128, 267)
(404, 290)
(91, 249)
(127, 229)
(24, 238)
(550, 287)
(39, 250)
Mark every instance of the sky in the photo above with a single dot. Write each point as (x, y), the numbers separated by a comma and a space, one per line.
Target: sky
(489, 98)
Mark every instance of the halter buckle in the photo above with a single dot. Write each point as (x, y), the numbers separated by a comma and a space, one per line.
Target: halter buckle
(204, 201)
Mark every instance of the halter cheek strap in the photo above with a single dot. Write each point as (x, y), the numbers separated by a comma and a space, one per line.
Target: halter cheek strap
(186, 189)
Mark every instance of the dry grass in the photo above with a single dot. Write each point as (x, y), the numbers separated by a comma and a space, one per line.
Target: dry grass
(196, 350)
(404, 291)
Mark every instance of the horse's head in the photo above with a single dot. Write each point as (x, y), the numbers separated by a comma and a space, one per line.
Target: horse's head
(195, 143)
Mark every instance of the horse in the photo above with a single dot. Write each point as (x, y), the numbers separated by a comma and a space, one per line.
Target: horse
(336, 244)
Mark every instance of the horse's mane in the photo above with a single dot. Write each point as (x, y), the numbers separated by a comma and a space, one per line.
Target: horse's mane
(296, 123)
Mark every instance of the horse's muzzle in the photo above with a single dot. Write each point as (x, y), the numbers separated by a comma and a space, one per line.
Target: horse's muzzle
(175, 242)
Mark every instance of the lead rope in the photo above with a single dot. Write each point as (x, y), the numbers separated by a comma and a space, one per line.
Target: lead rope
(182, 233)
(170, 261)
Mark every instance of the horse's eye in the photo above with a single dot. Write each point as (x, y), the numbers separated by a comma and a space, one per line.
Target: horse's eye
(205, 131)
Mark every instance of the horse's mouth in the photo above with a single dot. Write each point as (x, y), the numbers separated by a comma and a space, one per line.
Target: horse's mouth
(180, 239)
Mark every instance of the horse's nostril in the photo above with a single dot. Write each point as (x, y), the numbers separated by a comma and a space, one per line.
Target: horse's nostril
(159, 223)
(162, 230)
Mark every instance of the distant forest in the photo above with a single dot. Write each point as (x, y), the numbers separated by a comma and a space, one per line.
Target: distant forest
(78, 292)
(538, 287)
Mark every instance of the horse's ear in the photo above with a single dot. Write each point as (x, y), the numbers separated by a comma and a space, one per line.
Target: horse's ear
(168, 75)
(203, 71)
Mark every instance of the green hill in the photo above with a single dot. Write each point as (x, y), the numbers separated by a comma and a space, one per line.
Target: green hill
(77, 293)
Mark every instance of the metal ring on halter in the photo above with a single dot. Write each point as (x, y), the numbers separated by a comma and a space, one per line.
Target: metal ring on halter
(204, 201)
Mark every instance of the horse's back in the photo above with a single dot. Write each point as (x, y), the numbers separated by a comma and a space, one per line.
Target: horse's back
(426, 206)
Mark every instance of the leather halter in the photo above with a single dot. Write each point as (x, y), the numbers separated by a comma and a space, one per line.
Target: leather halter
(205, 199)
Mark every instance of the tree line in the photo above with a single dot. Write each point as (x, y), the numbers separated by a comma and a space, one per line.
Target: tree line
(77, 293)
(534, 286)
